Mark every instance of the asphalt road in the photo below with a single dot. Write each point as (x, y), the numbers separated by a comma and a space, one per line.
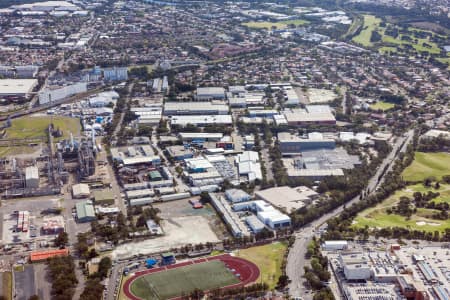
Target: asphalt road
(296, 257)
(24, 282)
(122, 114)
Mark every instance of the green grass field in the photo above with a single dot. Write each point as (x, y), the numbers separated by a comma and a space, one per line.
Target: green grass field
(276, 25)
(377, 217)
(175, 282)
(33, 127)
(382, 106)
(426, 165)
(268, 258)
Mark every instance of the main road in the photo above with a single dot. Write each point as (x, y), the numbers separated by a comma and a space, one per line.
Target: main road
(296, 257)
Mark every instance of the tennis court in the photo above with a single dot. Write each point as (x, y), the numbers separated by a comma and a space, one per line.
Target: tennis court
(183, 280)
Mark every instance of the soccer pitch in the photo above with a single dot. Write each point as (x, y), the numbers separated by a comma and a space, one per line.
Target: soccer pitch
(183, 280)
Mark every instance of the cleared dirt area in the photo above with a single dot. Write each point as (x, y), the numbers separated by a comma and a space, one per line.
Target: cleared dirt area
(182, 208)
(179, 231)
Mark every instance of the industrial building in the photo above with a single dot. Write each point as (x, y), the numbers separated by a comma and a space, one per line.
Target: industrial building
(32, 177)
(149, 115)
(254, 223)
(316, 164)
(312, 115)
(29, 71)
(200, 136)
(270, 216)
(236, 195)
(195, 108)
(265, 212)
(103, 197)
(355, 266)
(21, 88)
(80, 190)
(52, 94)
(37, 256)
(141, 201)
(246, 100)
(294, 145)
(136, 194)
(53, 225)
(179, 152)
(232, 220)
(334, 245)
(210, 93)
(135, 155)
(361, 138)
(201, 120)
(249, 165)
(397, 273)
(288, 198)
(115, 74)
(85, 212)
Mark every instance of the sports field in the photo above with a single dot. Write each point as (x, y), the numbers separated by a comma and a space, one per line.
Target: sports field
(33, 127)
(377, 217)
(173, 281)
(382, 106)
(426, 165)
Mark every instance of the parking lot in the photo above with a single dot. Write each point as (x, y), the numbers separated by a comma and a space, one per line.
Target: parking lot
(24, 283)
(38, 208)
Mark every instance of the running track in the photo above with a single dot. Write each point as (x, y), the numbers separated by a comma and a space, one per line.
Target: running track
(248, 271)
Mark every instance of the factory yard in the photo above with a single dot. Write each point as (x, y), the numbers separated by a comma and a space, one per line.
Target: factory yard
(269, 260)
(377, 217)
(367, 273)
(427, 165)
(35, 207)
(178, 231)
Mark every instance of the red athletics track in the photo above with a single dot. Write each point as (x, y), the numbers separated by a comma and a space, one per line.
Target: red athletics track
(248, 271)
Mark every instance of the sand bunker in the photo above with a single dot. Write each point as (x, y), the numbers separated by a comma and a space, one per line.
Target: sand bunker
(422, 223)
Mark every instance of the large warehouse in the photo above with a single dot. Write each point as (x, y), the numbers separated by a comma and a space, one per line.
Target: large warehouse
(210, 93)
(312, 115)
(195, 108)
(294, 145)
(17, 87)
(201, 120)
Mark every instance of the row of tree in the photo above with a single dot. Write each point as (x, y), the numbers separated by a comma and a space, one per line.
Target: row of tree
(317, 275)
(63, 278)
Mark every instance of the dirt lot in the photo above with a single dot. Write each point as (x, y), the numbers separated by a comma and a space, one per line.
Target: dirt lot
(181, 208)
(178, 231)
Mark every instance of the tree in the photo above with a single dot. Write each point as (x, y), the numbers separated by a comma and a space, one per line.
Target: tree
(93, 290)
(283, 281)
(104, 266)
(61, 239)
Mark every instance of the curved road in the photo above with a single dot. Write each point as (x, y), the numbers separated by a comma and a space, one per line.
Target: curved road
(296, 257)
